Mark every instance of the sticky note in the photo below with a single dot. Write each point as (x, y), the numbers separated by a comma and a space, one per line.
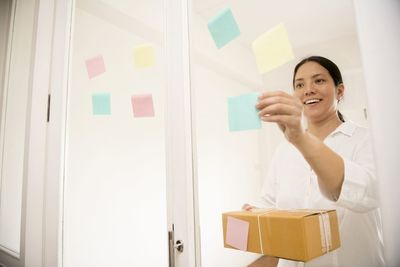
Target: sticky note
(101, 104)
(142, 105)
(242, 112)
(272, 49)
(223, 28)
(144, 56)
(237, 233)
(95, 66)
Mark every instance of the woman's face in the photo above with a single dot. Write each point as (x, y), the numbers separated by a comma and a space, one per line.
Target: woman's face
(315, 88)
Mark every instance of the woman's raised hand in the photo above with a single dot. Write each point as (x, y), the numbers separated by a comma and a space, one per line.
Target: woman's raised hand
(284, 109)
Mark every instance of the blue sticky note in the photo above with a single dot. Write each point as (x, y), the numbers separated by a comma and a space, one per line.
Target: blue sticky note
(243, 115)
(101, 104)
(223, 28)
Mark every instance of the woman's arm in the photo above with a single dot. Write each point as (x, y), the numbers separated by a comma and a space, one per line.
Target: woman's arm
(327, 164)
(286, 111)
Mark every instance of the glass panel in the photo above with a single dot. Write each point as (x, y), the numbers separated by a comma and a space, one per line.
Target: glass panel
(232, 165)
(115, 184)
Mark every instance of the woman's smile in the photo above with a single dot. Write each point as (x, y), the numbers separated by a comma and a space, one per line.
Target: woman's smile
(312, 101)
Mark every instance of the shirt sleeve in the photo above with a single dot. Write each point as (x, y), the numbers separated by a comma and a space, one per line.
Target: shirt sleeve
(359, 188)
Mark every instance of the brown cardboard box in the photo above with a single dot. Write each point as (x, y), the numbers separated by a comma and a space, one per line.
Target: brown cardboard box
(299, 235)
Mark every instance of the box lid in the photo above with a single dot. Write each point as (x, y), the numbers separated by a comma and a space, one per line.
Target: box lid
(292, 213)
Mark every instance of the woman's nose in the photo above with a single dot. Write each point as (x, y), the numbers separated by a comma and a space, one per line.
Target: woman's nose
(309, 90)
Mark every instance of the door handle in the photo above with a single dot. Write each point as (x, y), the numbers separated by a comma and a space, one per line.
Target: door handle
(179, 246)
(172, 245)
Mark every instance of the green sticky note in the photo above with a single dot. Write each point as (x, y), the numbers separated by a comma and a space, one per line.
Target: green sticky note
(272, 49)
(243, 115)
(223, 28)
(101, 104)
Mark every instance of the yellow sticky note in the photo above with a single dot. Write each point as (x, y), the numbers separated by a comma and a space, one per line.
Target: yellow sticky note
(144, 56)
(272, 49)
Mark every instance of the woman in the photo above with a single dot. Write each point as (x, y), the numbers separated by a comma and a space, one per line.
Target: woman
(328, 165)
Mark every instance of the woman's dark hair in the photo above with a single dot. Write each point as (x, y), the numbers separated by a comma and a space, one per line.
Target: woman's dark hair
(331, 67)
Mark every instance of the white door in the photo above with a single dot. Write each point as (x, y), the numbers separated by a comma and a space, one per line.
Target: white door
(123, 173)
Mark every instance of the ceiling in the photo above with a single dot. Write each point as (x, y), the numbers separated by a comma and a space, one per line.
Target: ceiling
(307, 21)
(323, 27)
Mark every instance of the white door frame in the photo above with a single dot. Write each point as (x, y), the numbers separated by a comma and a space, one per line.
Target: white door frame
(179, 146)
(53, 198)
(43, 186)
(31, 248)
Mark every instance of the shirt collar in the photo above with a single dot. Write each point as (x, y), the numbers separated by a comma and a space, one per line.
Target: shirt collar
(347, 128)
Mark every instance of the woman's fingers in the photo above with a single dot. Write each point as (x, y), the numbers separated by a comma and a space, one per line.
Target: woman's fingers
(247, 207)
(278, 99)
(273, 93)
(284, 120)
(266, 101)
(280, 109)
(278, 102)
(283, 109)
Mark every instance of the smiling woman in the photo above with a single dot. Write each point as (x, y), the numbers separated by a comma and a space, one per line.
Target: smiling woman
(323, 71)
(231, 166)
(331, 163)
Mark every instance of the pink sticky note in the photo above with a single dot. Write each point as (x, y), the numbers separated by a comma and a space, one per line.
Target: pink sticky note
(237, 232)
(142, 105)
(95, 66)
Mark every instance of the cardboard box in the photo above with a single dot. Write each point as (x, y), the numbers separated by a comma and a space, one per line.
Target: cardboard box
(299, 235)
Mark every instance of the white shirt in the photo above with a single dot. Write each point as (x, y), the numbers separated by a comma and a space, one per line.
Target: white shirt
(291, 184)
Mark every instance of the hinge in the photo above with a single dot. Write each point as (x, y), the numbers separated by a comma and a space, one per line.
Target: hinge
(48, 107)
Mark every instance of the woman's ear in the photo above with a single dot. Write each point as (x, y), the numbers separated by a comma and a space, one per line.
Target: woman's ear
(340, 92)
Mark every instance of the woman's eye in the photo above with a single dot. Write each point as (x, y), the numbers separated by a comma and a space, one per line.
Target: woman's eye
(319, 81)
(299, 85)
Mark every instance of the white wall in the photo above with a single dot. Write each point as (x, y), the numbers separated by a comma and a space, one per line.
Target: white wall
(378, 25)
